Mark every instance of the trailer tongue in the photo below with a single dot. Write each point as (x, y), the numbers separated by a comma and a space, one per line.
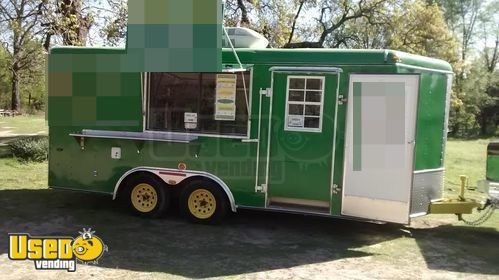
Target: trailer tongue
(463, 205)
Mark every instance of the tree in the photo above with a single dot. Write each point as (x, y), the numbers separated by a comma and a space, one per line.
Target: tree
(462, 16)
(238, 12)
(4, 79)
(418, 28)
(21, 18)
(469, 11)
(489, 33)
(67, 19)
(114, 29)
(333, 16)
(475, 109)
(301, 23)
(272, 18)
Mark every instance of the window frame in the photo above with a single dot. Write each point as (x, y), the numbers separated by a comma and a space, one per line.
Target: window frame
(146, 104)
(304, 103)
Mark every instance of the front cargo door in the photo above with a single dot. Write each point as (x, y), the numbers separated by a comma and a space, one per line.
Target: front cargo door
(379, 147)
(301, 143)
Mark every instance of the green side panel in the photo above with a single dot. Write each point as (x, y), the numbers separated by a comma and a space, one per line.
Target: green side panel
(492, 172)
(93, 169)
(430, 125)
(95, 100)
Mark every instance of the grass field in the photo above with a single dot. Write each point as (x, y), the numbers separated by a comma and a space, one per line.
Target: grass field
(250, 245)
(465, 157)
(15, 175)
(31, 124)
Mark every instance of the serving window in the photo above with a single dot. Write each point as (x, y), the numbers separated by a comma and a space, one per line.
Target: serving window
(202, 103)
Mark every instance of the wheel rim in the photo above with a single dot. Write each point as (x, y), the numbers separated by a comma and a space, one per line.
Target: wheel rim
(144, 197)
(202, 204)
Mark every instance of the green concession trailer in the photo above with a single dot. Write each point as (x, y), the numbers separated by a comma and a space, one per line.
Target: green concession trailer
(342, 133)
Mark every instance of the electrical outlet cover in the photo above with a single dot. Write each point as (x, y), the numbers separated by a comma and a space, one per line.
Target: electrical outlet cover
(115, 152)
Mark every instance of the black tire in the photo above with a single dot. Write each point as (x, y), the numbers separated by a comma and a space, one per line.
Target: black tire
(150, 209)
(220, 198)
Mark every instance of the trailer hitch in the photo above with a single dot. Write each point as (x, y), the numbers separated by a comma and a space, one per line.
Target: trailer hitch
(463, 205)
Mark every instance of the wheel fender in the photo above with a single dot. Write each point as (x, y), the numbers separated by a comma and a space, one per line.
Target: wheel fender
(176, 176)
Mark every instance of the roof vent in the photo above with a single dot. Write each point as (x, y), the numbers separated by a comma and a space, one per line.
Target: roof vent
(242, 37)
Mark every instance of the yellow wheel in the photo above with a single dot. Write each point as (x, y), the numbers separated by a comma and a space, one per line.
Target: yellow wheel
(202, 204)
(144, 197)
(203, 201)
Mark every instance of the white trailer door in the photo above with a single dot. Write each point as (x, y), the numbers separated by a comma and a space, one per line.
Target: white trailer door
(379, 147)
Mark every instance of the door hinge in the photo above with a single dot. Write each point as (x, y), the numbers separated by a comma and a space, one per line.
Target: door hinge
(261, 189)
(335, 189)
(342, 99)
(266, 91)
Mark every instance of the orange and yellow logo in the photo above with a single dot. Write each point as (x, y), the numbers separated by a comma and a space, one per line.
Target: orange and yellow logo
(52, 253)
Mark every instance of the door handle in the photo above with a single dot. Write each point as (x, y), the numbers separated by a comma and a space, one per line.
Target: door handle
(412, 142)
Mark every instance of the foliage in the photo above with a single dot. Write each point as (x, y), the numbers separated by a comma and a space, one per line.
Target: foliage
(21, 42)
(31, 79)
(410, 26)
(114, 29)
(475, 109)
(421, 29)
(30, 149)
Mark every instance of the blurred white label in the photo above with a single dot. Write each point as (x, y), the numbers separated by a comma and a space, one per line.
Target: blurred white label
(190, 125)
(295, 121)
(190, 117)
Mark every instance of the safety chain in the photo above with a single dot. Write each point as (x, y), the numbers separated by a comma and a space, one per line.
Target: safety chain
(485, 216)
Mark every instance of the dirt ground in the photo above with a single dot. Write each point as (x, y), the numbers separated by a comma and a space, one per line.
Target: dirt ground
(250, 245)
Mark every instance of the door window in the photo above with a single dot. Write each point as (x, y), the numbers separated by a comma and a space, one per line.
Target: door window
(304, 103)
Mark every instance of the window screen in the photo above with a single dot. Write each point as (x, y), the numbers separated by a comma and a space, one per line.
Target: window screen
(304, 103)
(204, 103)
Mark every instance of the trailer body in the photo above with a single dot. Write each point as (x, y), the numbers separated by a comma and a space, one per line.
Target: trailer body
(343, 133)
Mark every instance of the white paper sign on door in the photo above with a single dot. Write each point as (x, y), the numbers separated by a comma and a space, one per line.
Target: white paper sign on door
(295, 121)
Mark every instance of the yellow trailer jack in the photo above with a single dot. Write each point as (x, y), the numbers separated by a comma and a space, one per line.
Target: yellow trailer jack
(463, 205)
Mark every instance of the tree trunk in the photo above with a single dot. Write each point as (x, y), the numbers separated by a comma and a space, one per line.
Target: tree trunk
(75, 34)
(293, 27)
(244, 13)
(16, 98)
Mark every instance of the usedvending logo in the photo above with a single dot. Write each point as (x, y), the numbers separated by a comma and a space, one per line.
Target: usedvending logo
(57, 253)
